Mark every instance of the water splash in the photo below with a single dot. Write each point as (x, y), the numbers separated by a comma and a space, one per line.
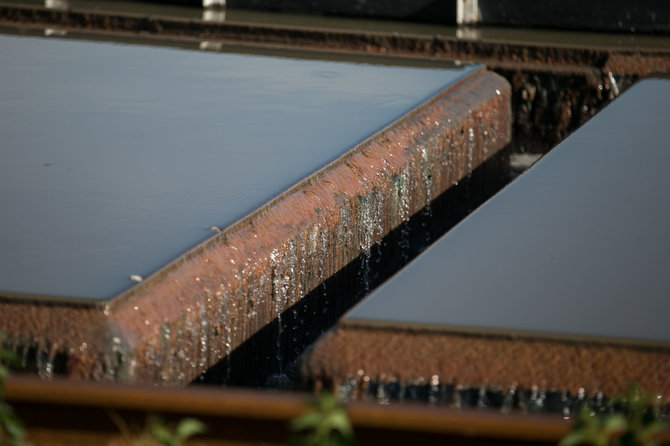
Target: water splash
(204, 337)
(45, 364)
(164, 343)
(400, 203)
(613, 83)
(389, 390)
(470, 149)
(279, 289)
(223, 304)
(367, 225)
(322, 269)
(427, 175)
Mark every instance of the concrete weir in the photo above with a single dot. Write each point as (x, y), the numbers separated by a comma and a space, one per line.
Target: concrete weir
(552, 293)
(182, 318)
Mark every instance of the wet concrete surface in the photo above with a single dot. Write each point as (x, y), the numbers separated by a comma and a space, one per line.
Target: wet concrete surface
(558, 283)
(118, 158)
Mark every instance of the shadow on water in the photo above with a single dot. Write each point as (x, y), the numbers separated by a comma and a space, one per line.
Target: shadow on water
(547, 107)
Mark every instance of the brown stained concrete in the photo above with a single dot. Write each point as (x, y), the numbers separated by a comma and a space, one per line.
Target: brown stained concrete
(407, 355)
(189, 315)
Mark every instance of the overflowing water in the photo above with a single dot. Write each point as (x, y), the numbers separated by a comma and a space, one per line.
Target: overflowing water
(385, 390)
(300, 314)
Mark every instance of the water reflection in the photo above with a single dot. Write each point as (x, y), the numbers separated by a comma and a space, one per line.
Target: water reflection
(56, 4)
(214, 4)
(214, 15)
(52, 32)
(211, 45)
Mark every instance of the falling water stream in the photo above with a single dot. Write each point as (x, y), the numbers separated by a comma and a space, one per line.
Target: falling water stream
(268, 359)
(319, 309)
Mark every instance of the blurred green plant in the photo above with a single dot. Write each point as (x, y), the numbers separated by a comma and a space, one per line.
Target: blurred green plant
(157, 432)
(633, 419)
(11, 428)
(326, 424)
(168, 436)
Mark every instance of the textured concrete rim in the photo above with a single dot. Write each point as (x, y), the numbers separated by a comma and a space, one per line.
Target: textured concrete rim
(464, 330)
(189, 315)
(483, 361)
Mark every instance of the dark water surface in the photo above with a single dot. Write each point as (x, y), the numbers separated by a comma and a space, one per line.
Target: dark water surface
(577, 246)
(115, 159)
(533, 36)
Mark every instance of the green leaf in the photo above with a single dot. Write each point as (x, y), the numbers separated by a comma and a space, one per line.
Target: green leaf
(583, 437)
(339, 421)
(161, 433)
(189, 427)
(307, 421)
(4, 373)
(615, 422)
(646, 435)
(8, 357)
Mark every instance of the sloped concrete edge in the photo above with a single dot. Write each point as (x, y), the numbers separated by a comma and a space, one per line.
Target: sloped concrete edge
(189, 315)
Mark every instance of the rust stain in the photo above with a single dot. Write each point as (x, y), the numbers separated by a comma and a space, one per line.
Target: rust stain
(637, 64)
(178, 322)
(486, 361)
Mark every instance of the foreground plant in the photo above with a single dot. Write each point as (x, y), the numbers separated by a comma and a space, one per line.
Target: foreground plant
(185, 429)
(327, 424)
(637, 424)
(157, 432)
(11, 428)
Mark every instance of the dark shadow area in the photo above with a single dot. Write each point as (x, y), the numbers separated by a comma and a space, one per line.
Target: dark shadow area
(550, 105)
(596, 15)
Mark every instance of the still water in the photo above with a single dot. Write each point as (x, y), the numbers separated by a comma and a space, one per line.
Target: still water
(578, 246)
(541, 37)
(115, 159)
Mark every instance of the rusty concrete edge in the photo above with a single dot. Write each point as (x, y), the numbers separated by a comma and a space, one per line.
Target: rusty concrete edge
(263, 252)
(481, 361)
(625, 61)
(262, 406)
(190, 315)
(503, 333)
(299, 187)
